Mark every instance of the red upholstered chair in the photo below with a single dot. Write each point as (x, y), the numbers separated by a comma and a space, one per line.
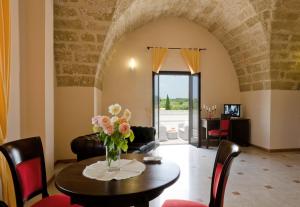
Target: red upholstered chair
(223, 131)
(26, 161)
(226, 153)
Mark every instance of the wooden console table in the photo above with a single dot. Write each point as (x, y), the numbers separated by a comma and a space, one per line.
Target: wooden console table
(239, 129)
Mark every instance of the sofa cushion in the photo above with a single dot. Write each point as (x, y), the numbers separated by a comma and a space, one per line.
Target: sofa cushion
(141, 147)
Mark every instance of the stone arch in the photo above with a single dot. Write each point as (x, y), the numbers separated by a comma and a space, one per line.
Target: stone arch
(285, 45)
(236, 24)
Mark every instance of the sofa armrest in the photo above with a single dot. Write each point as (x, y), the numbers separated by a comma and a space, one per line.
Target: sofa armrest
(87, 146)
(143, 134)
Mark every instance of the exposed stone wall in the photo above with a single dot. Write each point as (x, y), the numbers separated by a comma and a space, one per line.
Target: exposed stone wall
(240, 26)
(80, 27)
(261, 36)
(285, 45)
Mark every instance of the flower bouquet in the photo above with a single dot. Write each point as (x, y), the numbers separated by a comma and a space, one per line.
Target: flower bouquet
(114, 132)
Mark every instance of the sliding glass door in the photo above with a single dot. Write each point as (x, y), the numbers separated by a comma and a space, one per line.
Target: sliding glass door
(194, 110)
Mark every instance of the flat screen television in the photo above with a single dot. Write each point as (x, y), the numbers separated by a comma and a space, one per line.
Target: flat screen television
(233, 110)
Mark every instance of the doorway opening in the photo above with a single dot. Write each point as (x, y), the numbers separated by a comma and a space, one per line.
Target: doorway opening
(176, 101)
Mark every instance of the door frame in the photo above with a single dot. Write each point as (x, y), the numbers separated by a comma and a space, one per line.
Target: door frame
(199, 143)
(153, 99)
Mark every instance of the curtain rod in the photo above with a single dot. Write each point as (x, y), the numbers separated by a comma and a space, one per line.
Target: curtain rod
(178, 48)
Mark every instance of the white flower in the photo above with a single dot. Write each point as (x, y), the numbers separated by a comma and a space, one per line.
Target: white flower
(127, 114)
(114, 109)
(114, 119)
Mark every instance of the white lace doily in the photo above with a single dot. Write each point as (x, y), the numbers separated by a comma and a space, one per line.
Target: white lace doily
(128, 169)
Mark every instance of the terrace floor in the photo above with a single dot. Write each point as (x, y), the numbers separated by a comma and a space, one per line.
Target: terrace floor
(170, 121)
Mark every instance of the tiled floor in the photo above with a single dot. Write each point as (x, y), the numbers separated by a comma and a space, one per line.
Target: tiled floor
(173, 141)
(257, 178)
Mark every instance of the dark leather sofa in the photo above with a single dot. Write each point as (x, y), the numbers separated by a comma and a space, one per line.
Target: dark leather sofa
(89, 146)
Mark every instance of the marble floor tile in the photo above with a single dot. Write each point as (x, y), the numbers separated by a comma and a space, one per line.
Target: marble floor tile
(257, 178)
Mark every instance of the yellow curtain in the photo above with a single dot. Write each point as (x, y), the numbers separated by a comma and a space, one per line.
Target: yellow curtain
(6, 179)
(158, 56)
(192, 59)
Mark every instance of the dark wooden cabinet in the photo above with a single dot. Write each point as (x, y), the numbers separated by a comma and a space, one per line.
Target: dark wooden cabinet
(239, 129)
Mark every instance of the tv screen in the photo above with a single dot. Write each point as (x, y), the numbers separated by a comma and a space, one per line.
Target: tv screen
(234, 110)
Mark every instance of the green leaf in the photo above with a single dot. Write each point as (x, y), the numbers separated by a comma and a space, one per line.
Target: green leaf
(96, 129)
(131, 137)
(124, 145)
(105, 140)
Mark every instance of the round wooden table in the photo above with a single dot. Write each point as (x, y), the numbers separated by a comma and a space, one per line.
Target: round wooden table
(136, 191)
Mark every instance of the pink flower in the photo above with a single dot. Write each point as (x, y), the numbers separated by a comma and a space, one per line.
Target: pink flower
(96, 120)
(105, 121)
(109, 130)
(124, 128)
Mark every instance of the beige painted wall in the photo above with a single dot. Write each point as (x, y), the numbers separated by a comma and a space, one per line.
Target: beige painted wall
(97, 101)
(275, 118)
(37, 74)
(257, 107)
(133, 89)
(285, 119)
(49, 88)
(32, 37)
(74, 108)
(31, 61)
(14, 111)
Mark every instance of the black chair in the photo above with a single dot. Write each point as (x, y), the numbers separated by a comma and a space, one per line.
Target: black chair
(2, 204)
(226, 153)
(26, 161)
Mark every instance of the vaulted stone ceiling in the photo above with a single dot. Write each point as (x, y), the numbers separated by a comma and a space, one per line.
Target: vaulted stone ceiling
(87, 30)
(285, 45)
(80, 27)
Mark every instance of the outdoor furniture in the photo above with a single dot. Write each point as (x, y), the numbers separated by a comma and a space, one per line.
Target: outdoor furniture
(136, 191)
(88, 146)
(163, 133)
(25, 158)
(226, 153)
(172, 134)
(183, 131)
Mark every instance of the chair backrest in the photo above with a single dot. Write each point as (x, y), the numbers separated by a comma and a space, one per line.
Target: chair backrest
(26, 161)
(225, 124)
(227, 151)
(2, 204)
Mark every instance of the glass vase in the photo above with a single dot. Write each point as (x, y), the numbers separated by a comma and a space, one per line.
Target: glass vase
(113, 159)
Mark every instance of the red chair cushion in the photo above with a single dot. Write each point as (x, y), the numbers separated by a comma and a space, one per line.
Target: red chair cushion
(224, 124)
(30, 176)
(58, 200)
(218, 172)
(217, 133)
(182, 203)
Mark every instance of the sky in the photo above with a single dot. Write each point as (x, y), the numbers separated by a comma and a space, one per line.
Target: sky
(176, 86)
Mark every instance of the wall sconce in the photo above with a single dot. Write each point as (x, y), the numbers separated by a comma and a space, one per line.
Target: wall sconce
(132, 64)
